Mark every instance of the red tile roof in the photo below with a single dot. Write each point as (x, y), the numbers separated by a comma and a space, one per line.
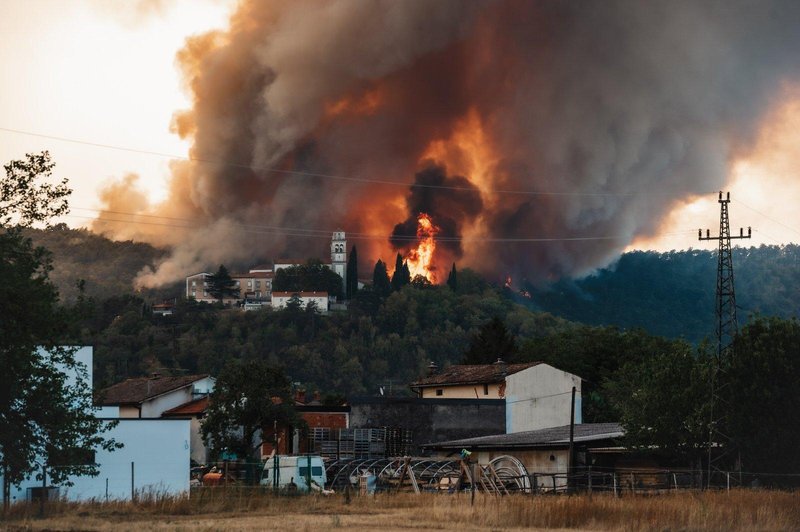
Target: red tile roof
(136, 391)
(472, 374)
(192, 408)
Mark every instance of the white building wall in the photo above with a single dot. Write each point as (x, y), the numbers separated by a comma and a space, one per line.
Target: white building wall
(158, 448)
(540, 397)
(159, 451)
(158, 405)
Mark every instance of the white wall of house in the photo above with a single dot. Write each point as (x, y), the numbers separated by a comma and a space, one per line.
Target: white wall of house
(158, 405)
(280, 299)
(463, 391)
(540, 397)
(159, 450)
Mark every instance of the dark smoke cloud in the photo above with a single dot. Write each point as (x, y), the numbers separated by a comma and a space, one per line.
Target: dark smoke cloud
(615, 109)
(450, 211)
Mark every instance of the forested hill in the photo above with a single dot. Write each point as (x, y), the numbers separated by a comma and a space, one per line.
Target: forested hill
(107, 267)
(672, 294)
(668, 294)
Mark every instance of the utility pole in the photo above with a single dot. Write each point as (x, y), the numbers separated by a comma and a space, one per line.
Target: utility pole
(726, 329)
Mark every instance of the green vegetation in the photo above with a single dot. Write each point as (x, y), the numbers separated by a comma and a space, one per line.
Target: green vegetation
(46, 417)
(313, 276)
(377, 340)
(247, 397)
(672, 294)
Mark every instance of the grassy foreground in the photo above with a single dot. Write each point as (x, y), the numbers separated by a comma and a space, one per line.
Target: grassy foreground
(239, 510)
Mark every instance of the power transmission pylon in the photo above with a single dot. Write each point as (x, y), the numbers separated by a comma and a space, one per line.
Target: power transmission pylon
(727, 328)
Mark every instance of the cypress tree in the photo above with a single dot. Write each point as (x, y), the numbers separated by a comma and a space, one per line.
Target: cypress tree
(452, 279)
(380, 279)
(397, 276)
(352, 273)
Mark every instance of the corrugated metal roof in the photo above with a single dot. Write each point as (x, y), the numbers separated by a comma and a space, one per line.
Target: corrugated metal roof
(472, 374)
(138, 390)
(555, 436)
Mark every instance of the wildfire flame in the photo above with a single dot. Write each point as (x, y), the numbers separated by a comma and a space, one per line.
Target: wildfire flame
(420, 259)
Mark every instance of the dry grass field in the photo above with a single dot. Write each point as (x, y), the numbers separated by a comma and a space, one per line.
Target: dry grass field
(239, 510)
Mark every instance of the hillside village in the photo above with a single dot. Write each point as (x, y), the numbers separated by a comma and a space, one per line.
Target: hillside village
(253, 289)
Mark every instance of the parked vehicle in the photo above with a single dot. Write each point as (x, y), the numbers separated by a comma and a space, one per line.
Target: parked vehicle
(294, 473)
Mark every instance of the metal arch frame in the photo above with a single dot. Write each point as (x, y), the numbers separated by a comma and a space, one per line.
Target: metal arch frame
(427, 471)
(521, 477)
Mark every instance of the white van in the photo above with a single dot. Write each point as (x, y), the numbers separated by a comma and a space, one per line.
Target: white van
(294, 472)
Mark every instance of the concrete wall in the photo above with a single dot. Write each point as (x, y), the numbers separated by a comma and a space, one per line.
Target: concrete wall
(540, 397)
(431, 420)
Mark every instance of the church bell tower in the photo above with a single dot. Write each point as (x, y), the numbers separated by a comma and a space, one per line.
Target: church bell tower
(339, 256)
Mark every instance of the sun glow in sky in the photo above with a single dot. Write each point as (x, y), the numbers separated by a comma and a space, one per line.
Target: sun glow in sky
(104, 72)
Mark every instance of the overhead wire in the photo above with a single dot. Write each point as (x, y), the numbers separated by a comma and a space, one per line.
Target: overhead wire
(300, 173)
(320, 233)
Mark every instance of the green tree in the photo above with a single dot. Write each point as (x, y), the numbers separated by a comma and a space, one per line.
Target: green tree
(764, 413)
(493, 341)
(25, 199)
(46, 415)
(310, 277)
(380, 279)
(352, 273)
(452, 279)
(221, 285)
(663, 401)
(248, 398)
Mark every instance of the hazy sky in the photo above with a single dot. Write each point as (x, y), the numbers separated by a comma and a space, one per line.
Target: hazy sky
(104, 73)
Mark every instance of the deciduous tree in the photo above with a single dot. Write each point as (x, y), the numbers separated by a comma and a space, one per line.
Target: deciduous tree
(248, 398)
(45, 413)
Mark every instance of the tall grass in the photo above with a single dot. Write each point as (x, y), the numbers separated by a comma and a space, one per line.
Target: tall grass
(735, 510)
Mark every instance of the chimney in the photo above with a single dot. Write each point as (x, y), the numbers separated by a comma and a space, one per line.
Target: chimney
(300, 395)
(432, 368)
(501, 366)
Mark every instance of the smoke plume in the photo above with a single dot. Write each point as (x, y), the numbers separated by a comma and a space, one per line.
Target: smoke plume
(574, 126)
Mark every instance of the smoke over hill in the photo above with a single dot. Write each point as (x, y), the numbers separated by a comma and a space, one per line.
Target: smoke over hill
(580, 123)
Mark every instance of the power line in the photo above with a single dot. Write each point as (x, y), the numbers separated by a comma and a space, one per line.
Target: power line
(319, 233)
(298, 173)
(792, 229)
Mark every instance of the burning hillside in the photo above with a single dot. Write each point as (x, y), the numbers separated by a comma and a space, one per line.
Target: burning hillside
(515, 127)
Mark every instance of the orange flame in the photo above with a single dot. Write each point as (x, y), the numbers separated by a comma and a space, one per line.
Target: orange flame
(420, 260)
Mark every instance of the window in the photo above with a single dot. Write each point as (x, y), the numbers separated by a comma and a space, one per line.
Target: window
(258, 284)
(194, 294)
(237, 284)
(439, 391)
(249, 284)
(485, 389)
(316, 471)
(194, 283)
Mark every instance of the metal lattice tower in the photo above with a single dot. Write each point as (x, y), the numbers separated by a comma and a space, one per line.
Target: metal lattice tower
(727, 328)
